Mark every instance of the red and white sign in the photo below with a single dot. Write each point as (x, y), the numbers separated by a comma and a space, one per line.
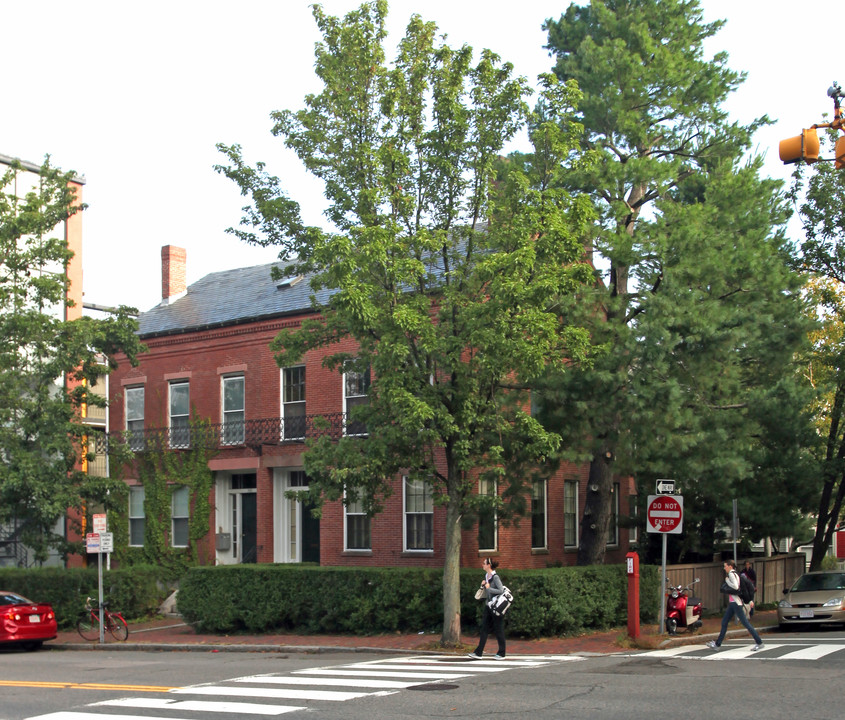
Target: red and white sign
(665, 514)
(92, 542)
(99, 523)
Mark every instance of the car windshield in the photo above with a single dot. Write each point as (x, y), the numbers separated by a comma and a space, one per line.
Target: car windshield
(10, 598)
(822, 581)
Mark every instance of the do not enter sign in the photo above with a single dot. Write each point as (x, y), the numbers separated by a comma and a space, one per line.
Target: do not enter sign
(665, 514)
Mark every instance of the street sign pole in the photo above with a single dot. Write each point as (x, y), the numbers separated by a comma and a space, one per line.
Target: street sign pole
(663, 588)
(100, 593)
(664, 515)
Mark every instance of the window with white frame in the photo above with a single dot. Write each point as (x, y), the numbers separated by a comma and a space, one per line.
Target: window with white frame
(613, 521)
(487, 525)
(570, 513)
(233, 410)
(134, 402)
(538, 515)
(357, 526)
(137, 518)
(180, 404)
(419, 515)
(356, 385)
(179, 515)
(293, 402)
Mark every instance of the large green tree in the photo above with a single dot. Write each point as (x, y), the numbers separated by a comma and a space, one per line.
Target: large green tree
(690, 285)
(447, 268)
(822, 213)
(46, 362)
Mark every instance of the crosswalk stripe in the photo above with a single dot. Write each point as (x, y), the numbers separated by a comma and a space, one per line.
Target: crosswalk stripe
(673, 652)
(283, 693)
(327, 682)
(389, 673)
(508, 663)
(71, 715)
(199, 705)
(814, 652)
(468, 668)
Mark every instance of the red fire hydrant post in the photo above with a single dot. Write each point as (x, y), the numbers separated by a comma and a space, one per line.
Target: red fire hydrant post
(633, 562)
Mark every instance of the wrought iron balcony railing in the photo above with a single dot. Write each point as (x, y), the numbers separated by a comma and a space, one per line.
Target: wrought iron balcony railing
(242, 433)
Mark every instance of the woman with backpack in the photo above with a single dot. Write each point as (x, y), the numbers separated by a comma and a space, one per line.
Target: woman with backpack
(492, 587)
(730, 587)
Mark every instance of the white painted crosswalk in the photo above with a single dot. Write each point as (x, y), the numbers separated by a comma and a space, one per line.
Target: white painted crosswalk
(769, 651)
(278, 694)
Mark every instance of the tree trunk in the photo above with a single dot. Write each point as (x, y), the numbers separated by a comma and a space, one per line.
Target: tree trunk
(452, 575)
(594, 523)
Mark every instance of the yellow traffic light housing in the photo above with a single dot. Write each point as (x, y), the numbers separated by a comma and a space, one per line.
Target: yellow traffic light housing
(802, 147)
(839, 152)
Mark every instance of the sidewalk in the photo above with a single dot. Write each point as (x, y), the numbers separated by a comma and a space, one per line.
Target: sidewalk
(173, 634)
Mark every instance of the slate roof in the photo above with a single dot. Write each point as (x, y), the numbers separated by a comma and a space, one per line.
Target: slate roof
(226, 298)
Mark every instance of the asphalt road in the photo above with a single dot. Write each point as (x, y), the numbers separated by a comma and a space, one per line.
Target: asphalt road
(797, 675)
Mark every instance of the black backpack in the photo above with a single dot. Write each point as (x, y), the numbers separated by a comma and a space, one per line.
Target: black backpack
(746, 589)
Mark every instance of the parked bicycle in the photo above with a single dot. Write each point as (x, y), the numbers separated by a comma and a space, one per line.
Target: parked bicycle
(113, 622)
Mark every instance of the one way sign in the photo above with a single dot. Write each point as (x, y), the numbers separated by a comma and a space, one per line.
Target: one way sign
(665, 487)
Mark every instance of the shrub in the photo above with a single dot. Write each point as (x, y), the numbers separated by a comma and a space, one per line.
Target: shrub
(309, 599)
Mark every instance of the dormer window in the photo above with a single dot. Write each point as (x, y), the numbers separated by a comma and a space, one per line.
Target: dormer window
(288, 281)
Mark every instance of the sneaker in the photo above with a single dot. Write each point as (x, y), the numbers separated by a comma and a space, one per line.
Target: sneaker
(474, 656)
(712, 644)
(757, 647)
(498, 657)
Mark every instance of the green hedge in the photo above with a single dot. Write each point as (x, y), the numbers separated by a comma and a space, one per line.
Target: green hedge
(136, 591)
(361, 601)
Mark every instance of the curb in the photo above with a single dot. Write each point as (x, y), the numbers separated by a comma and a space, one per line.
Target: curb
(197, 647)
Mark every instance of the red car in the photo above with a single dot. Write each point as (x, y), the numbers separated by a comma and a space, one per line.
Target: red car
(24, 622)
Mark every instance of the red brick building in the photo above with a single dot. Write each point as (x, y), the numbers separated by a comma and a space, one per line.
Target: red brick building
(209, 358)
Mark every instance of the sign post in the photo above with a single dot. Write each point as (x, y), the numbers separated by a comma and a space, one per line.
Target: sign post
(664, 515)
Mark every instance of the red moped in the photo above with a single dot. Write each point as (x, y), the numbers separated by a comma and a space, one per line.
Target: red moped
(682, 610)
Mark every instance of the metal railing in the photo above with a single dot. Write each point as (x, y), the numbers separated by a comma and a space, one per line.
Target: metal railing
(241, 433)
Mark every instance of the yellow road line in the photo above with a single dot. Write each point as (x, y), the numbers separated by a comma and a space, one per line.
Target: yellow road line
(85, 686)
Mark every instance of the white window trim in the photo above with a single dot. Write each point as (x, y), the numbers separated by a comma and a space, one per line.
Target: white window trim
(223, 381)
(132, 517)
(170, 415)
(282, 403)
(405, 548)
(346, 547)
(346, 409)
(174, 517)
(577, 514)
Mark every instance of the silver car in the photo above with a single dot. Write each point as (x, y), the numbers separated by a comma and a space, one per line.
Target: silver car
(815, 597)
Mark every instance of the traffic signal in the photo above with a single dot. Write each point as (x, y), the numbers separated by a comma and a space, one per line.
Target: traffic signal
(804, 147)
(839, 160)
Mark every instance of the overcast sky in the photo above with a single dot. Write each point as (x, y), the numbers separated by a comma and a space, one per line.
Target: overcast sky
(134, 97)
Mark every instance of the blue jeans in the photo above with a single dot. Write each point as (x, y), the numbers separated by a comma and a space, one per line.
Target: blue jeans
(736, 609)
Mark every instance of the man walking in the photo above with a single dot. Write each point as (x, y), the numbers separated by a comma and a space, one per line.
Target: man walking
(731, 588)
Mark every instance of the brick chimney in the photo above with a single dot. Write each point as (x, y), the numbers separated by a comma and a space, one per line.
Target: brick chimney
(173, 283)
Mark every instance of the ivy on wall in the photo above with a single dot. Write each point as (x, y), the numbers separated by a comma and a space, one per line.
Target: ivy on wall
(162, 471)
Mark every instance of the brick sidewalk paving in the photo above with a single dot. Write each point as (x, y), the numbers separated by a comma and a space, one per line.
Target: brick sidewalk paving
(173, 633)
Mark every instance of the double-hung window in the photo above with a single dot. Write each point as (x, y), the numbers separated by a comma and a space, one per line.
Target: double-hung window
(419, 515)
(356, 385)
(357, 526)
(538, 515)
(487, 530)
(134, 397)
(180, 403)
(179, 515)
(570, 513)
(137, 519)
(293, 402)
(233, 410)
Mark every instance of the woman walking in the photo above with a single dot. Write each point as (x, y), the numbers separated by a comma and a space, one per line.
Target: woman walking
(492, 586)
(731, 587)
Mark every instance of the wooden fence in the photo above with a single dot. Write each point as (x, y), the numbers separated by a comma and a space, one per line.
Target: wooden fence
(773, 575)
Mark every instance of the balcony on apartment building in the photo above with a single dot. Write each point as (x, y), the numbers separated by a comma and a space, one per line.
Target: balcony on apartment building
(235, 433)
